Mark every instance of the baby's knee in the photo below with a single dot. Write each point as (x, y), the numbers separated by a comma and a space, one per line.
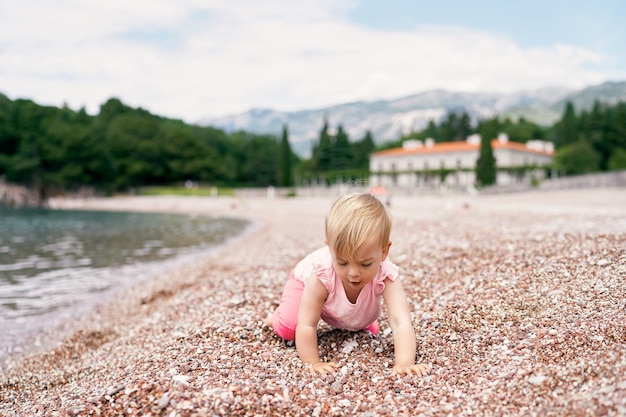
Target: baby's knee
(283, 327)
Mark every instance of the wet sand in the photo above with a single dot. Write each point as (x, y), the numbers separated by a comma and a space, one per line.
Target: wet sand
(518, 301)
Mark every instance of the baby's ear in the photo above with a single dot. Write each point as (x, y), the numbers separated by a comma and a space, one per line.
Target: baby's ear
(386, 250)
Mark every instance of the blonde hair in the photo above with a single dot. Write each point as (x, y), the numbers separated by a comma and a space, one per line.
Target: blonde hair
(353, 219)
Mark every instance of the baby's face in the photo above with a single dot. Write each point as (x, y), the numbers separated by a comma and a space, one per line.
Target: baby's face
(362, 269)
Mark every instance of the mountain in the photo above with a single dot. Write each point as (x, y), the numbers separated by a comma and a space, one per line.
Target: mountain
(389, 119)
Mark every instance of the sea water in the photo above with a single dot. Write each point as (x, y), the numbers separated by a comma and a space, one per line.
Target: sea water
(57, 263)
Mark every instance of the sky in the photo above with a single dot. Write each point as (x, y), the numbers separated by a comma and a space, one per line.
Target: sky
(197, 59)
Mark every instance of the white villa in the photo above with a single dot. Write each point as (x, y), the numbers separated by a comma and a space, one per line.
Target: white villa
(428, 164)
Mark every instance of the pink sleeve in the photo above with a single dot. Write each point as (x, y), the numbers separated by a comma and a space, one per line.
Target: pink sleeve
(319, 262)
(325, 275)
(387, 270)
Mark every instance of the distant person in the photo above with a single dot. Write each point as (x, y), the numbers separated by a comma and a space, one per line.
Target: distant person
(343, 284)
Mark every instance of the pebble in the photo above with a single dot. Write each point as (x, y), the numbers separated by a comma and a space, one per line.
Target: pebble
(537, 379)
(163, 401)
(183, 379)
(344, 403)
(462, 279)
(116, 389)
(349, 346)
(337, 387)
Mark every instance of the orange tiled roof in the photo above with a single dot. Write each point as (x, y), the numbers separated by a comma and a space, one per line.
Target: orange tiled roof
(442, 147)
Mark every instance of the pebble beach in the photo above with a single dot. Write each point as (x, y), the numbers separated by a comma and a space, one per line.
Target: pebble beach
(518, 303)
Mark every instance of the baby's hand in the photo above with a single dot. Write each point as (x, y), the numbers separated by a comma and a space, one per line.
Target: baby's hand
(323, 368)
(419, 369)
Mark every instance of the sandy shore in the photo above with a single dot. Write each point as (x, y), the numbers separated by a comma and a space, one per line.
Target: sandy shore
(518, 301)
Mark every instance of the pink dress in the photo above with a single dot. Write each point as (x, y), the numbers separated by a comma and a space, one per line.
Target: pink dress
(338, 311)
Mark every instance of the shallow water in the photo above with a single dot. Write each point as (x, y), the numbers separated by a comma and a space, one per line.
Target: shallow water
(55, 263)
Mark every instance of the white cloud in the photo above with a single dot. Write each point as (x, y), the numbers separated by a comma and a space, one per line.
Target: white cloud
(193, 59)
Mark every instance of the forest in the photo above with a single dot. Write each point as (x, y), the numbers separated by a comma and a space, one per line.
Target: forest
(122, 149)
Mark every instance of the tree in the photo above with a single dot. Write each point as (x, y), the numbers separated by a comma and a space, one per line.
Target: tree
(72, 156)
(522, 131)
(598, 134)
(447, 129)
(9, 139)
(620, 125)
(463, 128)
(259, 161)
(222, 147)
(285, 177)
(322, 153)
(486, 163)
(32, 164)
(342, 151)
(567, 127)
(112, 109)
(618, 160)
(431, 131)
(187, 158)
(362, 150)
(136, 144)
(577, 158)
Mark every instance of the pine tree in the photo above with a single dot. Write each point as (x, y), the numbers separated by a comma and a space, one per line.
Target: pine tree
(448, 127)
(486, 163)
(362, 150)
(464, 127)
(342, 151)
(598, 134)
(323, 152)
(285, 161)
(432, 131)
(568, 126)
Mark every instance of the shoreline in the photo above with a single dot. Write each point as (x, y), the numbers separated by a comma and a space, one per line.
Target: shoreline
(516, 301)
(40, 333)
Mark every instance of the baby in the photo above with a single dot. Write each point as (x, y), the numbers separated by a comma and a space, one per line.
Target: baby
(343, 282)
